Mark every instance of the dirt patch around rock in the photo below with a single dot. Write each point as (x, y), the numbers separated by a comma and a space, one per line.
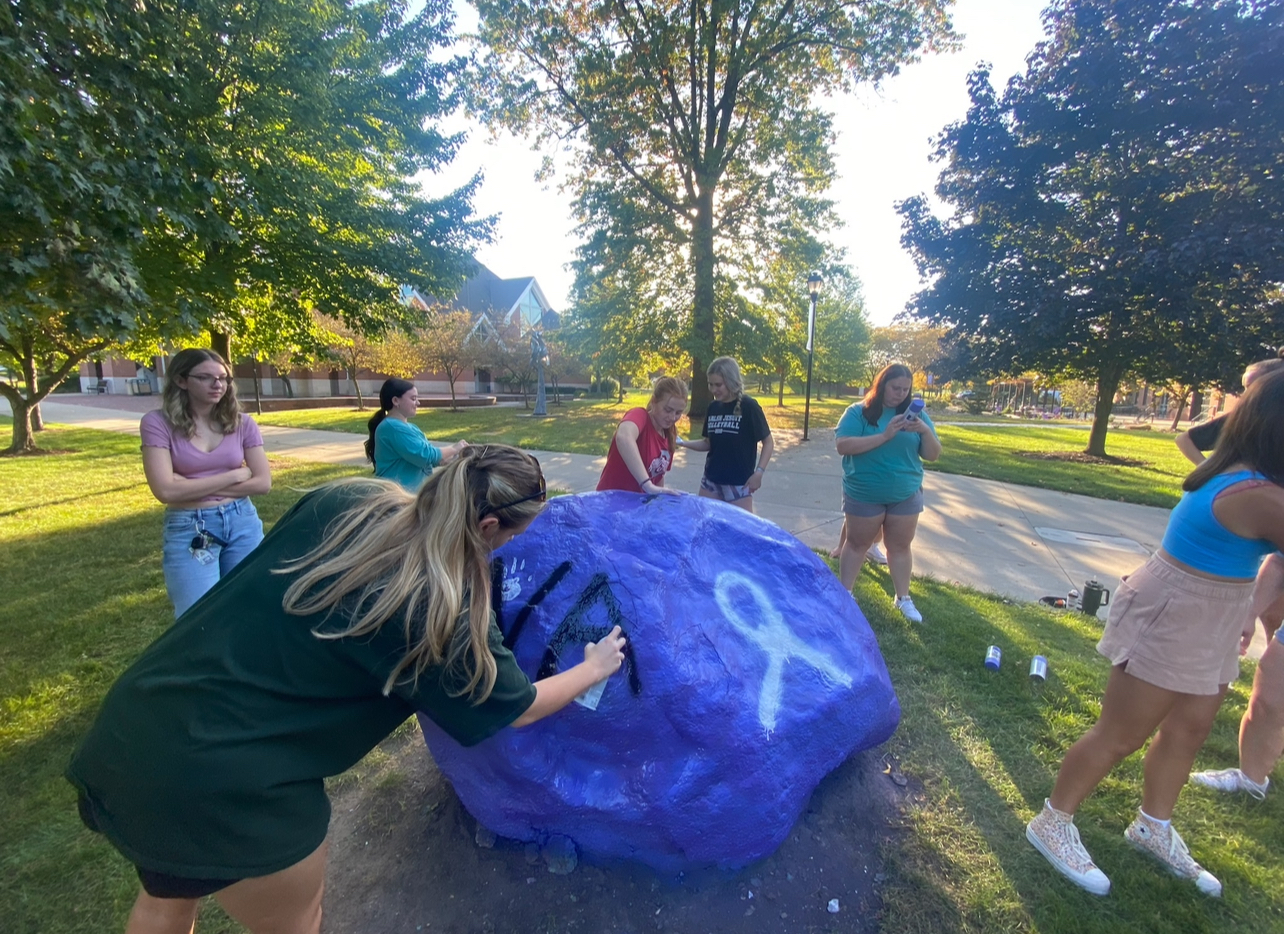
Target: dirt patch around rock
(404, 858)
(1079, 457)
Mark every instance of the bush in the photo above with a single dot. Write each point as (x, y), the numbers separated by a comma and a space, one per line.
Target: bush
(607, 386)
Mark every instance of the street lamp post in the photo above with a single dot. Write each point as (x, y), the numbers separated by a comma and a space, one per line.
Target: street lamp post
(814, 282)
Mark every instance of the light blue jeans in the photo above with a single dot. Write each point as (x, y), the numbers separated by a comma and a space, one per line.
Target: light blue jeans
(188, 573)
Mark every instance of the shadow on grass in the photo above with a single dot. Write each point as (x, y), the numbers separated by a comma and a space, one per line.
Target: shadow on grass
(83, 596)
(986, 747)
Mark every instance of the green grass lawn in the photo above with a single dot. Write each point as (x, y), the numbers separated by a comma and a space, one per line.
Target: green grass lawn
(985, 747)
(980, 451)
(583, 426)
(83, 595)
(971, 447)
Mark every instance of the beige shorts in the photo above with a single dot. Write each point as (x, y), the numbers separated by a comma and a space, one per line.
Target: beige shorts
(1175, 630)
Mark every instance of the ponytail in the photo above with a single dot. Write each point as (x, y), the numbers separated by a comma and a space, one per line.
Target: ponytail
(373, 425)
(391, 389)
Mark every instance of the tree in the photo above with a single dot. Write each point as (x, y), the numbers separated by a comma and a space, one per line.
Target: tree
(842, 334)
(514, 361)
(84, 164)
(350, 348)
(451, 345)
(274, 331)
(1118, 212)
(614, 321)
(917, 345)
(308, 123)
(699, 137)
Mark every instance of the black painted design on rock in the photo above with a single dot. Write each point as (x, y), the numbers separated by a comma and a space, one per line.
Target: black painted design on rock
(544, 589)
(575, 630)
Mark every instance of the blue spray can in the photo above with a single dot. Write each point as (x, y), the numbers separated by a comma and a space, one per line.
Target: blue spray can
(993, 657)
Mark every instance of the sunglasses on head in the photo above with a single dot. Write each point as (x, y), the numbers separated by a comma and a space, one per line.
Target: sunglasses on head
(541, 495)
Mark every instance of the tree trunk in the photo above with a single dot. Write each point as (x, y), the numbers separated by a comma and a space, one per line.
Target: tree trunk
(22, 442)
(289, 387)
(32, 379)
(221, 344)
(1181, 404)
(356, 387)
(780, 392)
(1196, 404)
(619, 385)
(454, 407)
(1108, 379)
(258, 394)
(703, 263)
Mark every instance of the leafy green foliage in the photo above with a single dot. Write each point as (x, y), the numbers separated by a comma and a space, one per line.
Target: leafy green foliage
(1119, 211)
(183, 165)
(699, 148)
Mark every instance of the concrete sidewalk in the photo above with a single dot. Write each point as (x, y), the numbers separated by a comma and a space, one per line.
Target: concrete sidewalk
(1018, 541)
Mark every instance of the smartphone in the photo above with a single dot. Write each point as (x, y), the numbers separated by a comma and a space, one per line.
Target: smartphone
(915, 406)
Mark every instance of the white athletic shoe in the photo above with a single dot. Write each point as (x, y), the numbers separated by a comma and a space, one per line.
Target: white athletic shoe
(1054, 834)
(1231, 781)
(1167, 846)
(909, 610)
(875, 554)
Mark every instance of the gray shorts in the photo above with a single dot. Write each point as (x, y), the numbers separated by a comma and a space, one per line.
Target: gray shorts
(727, 492)
(906, 507)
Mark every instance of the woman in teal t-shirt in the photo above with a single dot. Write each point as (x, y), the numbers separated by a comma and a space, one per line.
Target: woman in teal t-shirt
(399, 451)
(883, 451)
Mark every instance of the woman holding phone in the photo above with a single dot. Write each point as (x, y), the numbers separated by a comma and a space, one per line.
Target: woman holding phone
(884, 445)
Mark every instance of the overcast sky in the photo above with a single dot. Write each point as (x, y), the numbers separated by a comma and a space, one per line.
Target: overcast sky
(884, 143)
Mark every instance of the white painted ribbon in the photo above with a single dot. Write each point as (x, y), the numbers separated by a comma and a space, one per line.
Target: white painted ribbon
(773, 635)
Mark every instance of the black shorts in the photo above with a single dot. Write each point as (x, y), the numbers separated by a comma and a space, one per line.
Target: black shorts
(159, 884)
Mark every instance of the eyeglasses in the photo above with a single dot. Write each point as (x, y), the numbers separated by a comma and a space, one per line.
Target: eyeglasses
(209, 380)
(542, 495)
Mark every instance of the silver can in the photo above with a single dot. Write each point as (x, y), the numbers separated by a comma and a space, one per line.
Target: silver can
(1038, 668)
(1072, 600)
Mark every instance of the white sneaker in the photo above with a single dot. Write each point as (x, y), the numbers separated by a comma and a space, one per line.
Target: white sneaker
(909, 610)
(1231, 781)
(1167, 846)
(1054, 834)
(875, 554)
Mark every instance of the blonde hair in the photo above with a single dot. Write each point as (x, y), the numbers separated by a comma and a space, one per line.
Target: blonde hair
(176, 404)
(729, 370)
(421, 558)
(664, 387)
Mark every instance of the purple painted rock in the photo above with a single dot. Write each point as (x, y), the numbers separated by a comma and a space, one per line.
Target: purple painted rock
(750, 675)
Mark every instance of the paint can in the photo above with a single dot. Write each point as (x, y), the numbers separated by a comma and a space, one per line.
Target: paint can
(993, 657)
(1038, 669)
(1072, 600)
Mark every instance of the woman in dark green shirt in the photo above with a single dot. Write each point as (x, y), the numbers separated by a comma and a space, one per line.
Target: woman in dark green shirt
(206, 763)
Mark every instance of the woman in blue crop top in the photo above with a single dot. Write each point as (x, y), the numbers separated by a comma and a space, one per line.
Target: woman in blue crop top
(1176, 631)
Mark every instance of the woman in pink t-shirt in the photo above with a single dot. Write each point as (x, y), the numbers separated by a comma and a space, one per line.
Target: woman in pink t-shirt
(641, 452)
(203, 459)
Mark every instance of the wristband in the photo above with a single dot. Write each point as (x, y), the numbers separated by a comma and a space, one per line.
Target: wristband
(760, 470)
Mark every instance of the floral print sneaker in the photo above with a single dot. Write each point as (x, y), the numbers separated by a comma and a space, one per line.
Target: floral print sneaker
(1054, 834)
(1166, 845)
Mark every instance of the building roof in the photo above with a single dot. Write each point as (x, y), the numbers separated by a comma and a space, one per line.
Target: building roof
(486, 295)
